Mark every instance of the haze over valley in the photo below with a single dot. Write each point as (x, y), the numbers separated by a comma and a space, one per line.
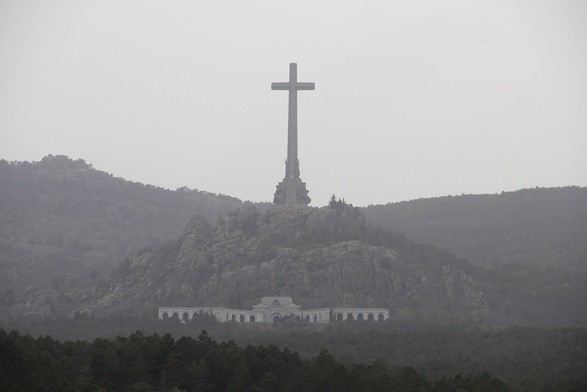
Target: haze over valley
(65, 220)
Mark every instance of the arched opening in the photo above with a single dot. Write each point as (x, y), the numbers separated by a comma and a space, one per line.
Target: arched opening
(275, 317)
(339, 317)
(175, 315)
(298, 318)
(241, 318)
(233, 317)
(308, 319)
(252, 318)
(350, 316)
(226, 316)
(370, 317)
(165, 316)
(380, 317)
(315, 318)
(360, 317)
(185, 316)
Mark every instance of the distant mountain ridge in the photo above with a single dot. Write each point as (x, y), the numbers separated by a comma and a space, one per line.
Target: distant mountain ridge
(535, 238)
(62, 216)
(545, 227)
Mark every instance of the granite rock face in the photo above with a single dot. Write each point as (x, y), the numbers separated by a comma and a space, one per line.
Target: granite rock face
(463, 294)
(318, 256)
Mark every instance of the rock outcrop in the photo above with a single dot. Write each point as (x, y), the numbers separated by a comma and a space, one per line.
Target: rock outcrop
(319, 256)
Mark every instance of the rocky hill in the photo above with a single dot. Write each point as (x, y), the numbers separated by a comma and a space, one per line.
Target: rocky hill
(62, 216)
(321, 257)
(65, 222)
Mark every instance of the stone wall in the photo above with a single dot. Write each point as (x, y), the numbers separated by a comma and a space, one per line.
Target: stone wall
(374, 314)
(267, 315)
(221, 314)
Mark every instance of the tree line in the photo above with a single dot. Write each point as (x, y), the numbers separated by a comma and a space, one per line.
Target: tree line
(149, 363)
(525, 359)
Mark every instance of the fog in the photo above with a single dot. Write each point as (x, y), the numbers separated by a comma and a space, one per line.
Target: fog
(413, 98)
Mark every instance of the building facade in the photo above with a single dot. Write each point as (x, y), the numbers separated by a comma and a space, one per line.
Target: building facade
(272, 309)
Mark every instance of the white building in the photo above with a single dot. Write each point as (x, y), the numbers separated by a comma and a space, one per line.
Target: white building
(271, 309)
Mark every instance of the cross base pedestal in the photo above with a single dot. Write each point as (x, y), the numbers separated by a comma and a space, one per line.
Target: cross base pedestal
(291, 192)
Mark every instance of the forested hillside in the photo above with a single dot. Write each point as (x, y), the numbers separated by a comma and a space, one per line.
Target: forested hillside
(61, 216)
(535, 238)
(542, 227)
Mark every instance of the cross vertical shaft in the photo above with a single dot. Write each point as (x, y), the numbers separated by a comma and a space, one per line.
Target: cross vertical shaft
(292, 123)
(292, 191)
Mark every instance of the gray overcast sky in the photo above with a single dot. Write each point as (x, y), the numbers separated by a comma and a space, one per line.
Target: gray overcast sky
(413, 98)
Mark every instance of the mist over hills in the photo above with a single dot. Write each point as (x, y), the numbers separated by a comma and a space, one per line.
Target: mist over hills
(535, 238)
(60, 216)
(541, 227)
(320, 256)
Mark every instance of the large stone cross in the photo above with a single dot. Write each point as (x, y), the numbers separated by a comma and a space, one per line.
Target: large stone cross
(292, 191)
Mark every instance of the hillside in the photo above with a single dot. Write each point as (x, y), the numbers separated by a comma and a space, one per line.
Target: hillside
(542, 227)
(320, 257)
(329, 256)
(60, 216)
(535, 238)
(62, 220)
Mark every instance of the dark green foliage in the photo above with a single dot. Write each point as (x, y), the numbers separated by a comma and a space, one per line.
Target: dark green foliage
(148, 363)
(526, 359)
(337, 204)
(479, 383)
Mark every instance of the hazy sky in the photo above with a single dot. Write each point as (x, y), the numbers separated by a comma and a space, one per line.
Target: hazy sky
(413, 98)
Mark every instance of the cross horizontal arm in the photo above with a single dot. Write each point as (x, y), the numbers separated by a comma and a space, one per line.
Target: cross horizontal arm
(280, 86)
(305, 86)
(296, 86)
